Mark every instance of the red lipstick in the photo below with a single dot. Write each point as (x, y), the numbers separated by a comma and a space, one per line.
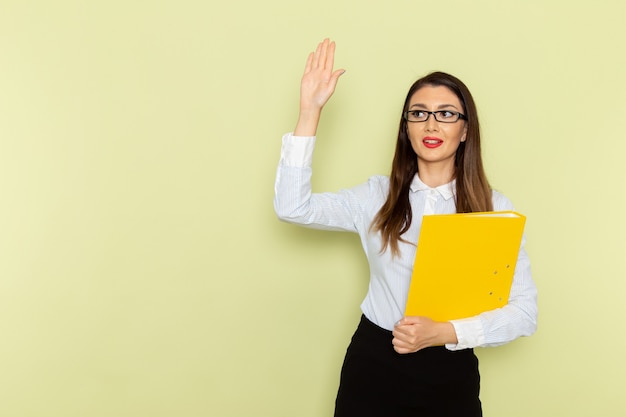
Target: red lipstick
(432, 142)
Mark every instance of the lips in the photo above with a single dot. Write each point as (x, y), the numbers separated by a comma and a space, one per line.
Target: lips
(432, 142)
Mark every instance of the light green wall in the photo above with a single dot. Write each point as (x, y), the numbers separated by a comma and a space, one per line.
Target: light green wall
(142, 269)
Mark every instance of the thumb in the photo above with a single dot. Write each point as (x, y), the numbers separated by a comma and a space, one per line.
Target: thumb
(335, 76)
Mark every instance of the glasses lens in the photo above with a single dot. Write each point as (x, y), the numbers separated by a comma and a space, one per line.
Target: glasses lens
(446, 116)
(416, 116)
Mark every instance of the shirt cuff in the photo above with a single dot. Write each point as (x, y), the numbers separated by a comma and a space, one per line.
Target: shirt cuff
(297, 151)
(469, 334)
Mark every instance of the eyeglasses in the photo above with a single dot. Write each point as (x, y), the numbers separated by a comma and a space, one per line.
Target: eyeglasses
(443, 116)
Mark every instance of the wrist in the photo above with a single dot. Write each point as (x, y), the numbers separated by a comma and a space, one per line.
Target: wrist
(447, 333)
(307, 122)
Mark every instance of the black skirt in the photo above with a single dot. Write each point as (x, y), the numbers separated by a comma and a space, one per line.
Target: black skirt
(376, 381)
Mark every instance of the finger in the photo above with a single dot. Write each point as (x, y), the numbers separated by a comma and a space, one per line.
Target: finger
(401, 351)
(309, 63)
(400, 339)
(405, 351)
(323, 54)
(399, 343)
(317, 55)
(401, 347)
(330, 57)
(403, 328)
(413, 320)
(398, 332)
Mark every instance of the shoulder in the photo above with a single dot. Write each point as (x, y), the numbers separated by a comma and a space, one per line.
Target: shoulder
(379, 179)
(379, 183)
(500, 201)
(372, 191)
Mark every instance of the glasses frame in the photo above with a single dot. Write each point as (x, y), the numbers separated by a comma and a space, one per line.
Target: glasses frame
(434, 113)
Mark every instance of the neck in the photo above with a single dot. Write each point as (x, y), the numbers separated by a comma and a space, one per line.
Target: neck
(435, 175)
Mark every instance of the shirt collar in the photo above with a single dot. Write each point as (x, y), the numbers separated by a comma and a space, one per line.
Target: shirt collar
(446, 190)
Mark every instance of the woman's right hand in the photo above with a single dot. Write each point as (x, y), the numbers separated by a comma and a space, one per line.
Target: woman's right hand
(317, 86)
(319, 80)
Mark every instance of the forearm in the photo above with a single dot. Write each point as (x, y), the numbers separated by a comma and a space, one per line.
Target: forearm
(307, 122)
(447, 334)
(497, 327)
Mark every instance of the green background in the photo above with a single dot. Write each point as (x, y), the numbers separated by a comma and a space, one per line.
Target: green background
(143, 271)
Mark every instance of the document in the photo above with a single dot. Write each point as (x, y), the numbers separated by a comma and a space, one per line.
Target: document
(464, 264)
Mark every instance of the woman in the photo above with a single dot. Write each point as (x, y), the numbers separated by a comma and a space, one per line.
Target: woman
(405, 366)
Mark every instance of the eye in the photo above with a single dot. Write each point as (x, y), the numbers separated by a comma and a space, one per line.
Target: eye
(418, 114)
(447, 114)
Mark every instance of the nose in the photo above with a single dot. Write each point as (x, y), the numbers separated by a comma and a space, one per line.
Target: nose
(431, 123)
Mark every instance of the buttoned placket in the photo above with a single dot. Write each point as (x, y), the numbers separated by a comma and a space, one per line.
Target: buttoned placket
(430, 201)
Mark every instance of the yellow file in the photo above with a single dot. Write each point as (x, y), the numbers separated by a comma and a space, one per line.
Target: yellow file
(464, 264)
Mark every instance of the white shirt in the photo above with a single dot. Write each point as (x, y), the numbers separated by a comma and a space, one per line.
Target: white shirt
(354, 209)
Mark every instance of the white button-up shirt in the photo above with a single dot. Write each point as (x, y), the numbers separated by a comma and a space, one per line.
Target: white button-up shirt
(354, 209)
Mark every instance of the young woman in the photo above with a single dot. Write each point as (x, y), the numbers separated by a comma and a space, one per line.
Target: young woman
(405, 366)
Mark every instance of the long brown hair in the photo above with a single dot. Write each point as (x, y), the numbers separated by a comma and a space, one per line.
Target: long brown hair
(473, 192)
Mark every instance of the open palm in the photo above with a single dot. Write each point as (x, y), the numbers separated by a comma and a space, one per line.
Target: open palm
(319, 80)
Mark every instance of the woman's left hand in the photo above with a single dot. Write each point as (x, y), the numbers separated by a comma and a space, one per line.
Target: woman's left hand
(413, 333)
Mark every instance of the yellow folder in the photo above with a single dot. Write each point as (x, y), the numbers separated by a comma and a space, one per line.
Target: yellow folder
(464, 264)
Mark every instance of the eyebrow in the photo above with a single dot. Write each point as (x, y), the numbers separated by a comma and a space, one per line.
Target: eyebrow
(441, 106)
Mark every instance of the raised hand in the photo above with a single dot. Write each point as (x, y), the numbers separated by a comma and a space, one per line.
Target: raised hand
(317, 86)
(319, 79)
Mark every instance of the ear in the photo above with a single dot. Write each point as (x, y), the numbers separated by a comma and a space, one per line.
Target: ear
(464, 134)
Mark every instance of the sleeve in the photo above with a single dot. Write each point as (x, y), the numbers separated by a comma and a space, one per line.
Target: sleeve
(294, 201)
(517, 318)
